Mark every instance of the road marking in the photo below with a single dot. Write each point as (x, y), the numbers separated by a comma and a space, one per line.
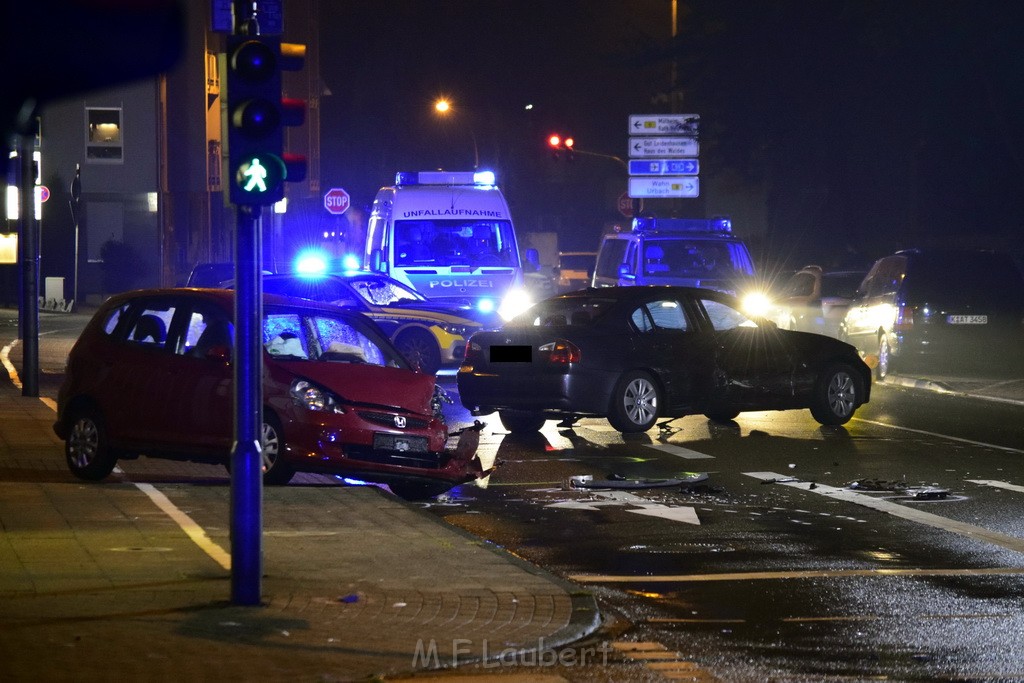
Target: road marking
(997, 484)
(783, 576)
(902, 511)
(191, 529)
(941, 436)
(679, 451)
(12, 371)
(675, 513)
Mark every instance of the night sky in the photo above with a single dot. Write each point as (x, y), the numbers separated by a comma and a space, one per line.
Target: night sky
(834, 129)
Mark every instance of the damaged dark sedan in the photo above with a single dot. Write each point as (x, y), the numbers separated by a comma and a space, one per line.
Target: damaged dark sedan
(635, 355)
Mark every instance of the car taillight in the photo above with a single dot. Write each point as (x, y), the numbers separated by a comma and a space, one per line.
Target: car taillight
(474, 351)
(561, 352)
(904, 318)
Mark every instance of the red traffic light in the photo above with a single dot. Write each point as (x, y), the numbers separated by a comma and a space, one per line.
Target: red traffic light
(568, 143)
(555, 141)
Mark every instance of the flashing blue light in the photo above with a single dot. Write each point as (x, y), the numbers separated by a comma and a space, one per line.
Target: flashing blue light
(407, 178)
(310, 264)
(351, 262)
(483, 178)
(485, 305)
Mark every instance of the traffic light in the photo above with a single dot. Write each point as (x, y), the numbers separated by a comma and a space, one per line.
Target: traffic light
(257, 163)
(560, 144)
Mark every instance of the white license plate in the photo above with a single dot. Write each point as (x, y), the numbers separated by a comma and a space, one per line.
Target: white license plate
(967, 319)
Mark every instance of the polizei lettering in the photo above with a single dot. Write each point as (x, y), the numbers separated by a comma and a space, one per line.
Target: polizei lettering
(475, 213)
(468, 282)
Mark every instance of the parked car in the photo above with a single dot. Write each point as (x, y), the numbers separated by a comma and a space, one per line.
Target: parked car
(816, 300)
(430, 334)
(575, 269)
(940, 309)
(151, 374)
(637, 354)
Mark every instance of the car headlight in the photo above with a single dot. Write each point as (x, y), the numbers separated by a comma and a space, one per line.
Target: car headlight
(456, 330)
(756, 304)
(514, 303)
(312, 397)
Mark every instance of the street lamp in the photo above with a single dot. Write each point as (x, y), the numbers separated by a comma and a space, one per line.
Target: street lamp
(444, 109)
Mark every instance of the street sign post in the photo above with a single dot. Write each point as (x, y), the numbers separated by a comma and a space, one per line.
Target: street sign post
(644, 167)
(664, 124)
(663, 147)
(336, 201)
(664, 187)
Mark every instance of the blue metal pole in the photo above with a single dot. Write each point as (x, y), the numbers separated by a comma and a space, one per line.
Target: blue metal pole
(246, 452)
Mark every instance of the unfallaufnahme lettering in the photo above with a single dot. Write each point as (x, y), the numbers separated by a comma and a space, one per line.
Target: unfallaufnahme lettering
(485, 213)
(432, 655)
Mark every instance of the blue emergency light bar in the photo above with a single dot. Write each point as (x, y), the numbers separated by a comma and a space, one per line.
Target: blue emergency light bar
(717, 225)
(480, 178)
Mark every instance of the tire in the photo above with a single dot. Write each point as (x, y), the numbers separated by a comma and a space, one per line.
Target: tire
(421, 350)
(838, 392)
(722, 415)
(635, 403)
(86, 449)
(885, 360)
(518, 422)
(276, 472)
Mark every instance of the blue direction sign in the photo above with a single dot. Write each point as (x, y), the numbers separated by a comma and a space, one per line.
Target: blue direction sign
(663, 167)
(664, 186)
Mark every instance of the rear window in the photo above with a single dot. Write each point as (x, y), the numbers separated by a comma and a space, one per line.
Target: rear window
(980, 278)
(560, 312)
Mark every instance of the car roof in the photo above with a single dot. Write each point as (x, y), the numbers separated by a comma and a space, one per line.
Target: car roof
(225, 298)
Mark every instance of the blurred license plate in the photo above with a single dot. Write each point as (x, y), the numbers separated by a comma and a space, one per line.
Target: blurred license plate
(967, 319)
(511, 354)
(399, 442)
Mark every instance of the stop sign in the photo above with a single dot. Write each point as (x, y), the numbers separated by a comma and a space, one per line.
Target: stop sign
(336, 201)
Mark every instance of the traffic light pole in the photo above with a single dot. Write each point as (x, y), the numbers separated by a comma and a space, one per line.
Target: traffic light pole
(247, 452)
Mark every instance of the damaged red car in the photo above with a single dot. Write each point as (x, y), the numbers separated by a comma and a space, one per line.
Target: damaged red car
(151, 374)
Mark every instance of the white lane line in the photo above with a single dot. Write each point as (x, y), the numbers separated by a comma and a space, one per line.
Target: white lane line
(902, 511)
(191, 529)
(997, 484)
(781, 576)
(12, 371)
(679, 451)
(194, 531)
(940, 436)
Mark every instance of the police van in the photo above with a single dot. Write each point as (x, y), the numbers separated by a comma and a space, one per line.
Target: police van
(448, 235)
(675, 251)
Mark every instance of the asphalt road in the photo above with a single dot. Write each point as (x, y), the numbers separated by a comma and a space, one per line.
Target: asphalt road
(892, 547)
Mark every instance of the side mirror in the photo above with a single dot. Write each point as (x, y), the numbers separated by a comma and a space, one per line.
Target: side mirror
(624, 270)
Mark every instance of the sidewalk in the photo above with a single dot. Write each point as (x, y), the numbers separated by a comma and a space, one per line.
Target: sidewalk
(98, 583)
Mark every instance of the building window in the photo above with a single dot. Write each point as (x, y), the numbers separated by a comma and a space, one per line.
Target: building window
(104, 135)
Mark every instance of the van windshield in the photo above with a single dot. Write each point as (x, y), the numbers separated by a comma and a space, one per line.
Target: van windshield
(444, 243)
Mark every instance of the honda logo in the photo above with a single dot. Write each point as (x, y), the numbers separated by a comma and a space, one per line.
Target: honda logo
(400, 421)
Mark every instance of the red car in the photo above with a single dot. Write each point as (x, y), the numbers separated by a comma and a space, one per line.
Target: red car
(151, 374)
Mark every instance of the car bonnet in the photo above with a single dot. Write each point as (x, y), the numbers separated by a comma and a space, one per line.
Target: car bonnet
(368, 384)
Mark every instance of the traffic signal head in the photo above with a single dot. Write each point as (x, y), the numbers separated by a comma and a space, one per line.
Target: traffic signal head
(559, 144)
(258, 166)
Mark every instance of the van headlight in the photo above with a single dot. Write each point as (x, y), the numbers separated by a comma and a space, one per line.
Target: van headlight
(514, 303)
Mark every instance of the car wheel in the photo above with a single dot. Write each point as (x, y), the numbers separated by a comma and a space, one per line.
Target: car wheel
(837, 394)
(521, 422)
(275, 470)
(884, 367)
(421, 350)
(635, 403)
(86, 450)
(722, 415)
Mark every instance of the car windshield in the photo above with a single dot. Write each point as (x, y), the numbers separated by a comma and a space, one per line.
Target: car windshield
(384, 292)
(563, 311)
(322, 337)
